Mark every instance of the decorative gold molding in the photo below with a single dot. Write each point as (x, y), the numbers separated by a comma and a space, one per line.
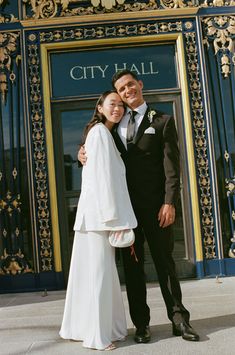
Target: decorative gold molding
(10, 204)
(226, 156)
(190, 144)
(40, 160)
(14, 264)
(107, 4)
(231, 252)
(45, 9)
(230, 186)
(200, 142)
(218, 3)
(8, 47)
(101, 18)
(4, 18)
(176, 4)
(51, 163)
(221, 29)
(154, 32)
(52, 8)
(11, 232)
(98, 34)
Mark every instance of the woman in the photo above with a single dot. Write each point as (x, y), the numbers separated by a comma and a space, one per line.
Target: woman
(94, 311)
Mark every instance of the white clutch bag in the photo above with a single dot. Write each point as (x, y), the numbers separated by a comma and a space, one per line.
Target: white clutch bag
(122, 239)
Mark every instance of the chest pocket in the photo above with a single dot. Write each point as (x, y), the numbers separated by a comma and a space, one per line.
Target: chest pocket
(149, 141)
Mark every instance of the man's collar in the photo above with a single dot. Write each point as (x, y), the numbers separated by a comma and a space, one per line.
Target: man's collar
(140, 109)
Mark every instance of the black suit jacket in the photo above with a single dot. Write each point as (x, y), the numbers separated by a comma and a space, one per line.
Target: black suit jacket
(152, 163)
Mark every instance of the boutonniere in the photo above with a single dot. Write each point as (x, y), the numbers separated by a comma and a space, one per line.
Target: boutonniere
(150, 115)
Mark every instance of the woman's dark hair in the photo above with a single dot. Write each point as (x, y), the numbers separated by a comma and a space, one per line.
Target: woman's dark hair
(97, 116)
(121, 73)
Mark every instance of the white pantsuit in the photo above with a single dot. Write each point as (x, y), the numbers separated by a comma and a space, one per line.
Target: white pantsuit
(94, 311)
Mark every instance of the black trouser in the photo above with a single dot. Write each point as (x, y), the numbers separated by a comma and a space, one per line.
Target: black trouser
(161, 243)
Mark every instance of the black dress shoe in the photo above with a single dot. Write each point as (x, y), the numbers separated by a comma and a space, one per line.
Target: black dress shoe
(185, 330)
(142, 335)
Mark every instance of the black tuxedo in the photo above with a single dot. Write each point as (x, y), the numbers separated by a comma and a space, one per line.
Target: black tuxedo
(152, 169)
(152, 163)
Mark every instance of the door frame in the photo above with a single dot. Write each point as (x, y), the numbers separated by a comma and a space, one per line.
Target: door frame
(191, 171)
(185, 266)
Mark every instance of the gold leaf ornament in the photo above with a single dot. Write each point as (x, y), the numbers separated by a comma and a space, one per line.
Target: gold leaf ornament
(107, 4)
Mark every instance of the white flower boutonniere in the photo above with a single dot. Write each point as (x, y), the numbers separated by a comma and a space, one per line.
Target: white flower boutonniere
(150, 115)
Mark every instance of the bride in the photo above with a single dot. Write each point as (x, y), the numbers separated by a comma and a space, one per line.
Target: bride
(94, 311)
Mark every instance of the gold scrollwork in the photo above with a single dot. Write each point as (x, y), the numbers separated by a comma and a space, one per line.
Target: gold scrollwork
(218, 3)
(107, 4)
(107, 31)
(10, 203)
(14, 264)
(196, 105)
(7, 18)
(8, 46)
(221, 29)
(4, 18)
(226, 156)
(45, 8)
(230, 186)
(52, 8)
(231, 252)
(174, 4)
(40, 174)
(201, 146)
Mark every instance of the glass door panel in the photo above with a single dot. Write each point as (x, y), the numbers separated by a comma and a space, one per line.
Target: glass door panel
(69, 121)
(72, 124)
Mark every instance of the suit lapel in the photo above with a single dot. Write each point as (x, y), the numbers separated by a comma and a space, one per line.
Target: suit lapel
(145, 123)
(143, 126)
(120, 146)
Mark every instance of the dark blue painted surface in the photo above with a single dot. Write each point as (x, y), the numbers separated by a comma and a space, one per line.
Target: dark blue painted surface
(216, 267)
(82, 73)
(32, 282)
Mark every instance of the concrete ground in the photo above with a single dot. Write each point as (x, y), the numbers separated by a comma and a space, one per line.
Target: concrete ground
(30, 322)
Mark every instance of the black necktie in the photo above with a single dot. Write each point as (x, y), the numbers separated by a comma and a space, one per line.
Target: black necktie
(130, 134)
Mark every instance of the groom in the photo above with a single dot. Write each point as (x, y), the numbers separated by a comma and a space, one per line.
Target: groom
(147, 141)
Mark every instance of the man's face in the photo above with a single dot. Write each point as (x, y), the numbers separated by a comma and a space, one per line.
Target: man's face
(130, 90)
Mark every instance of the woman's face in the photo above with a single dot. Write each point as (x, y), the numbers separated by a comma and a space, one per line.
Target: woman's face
(112, 108)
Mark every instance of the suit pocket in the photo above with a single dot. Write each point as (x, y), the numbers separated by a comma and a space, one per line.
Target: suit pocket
(147, 142)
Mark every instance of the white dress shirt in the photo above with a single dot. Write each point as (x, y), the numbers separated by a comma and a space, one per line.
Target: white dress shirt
(122, 127)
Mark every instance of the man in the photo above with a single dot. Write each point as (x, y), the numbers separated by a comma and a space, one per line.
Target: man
(147, 141)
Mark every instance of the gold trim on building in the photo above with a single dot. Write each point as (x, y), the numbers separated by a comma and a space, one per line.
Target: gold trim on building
(178, 39)
(190, 150)
(128, 16)
(51, 162)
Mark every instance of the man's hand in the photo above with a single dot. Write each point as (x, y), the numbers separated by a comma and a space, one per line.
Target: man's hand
(166, 215)
(82, 155)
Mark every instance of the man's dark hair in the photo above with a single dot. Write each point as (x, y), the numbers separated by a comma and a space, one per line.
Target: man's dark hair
(121, 73)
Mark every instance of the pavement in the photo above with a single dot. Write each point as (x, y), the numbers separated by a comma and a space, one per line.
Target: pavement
(30, 322)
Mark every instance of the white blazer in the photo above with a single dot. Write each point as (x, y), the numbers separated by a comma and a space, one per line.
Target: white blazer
(104, 202)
